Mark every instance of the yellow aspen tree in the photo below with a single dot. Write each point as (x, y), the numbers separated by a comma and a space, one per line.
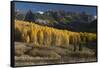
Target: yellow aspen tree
(28, 39)
(65, 40)
(41, 38)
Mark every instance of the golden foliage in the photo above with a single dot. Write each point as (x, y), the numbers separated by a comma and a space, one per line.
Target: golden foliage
(47, 36)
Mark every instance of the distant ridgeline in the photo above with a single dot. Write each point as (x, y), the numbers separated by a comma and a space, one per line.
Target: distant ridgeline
(73, 21)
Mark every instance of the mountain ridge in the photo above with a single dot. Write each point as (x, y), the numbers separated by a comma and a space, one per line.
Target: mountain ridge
(62, 20)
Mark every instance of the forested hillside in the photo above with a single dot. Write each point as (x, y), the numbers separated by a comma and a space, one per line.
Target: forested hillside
(77, 22)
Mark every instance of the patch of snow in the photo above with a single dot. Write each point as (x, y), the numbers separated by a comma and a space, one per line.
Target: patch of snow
(95, 17)
(41, 12)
